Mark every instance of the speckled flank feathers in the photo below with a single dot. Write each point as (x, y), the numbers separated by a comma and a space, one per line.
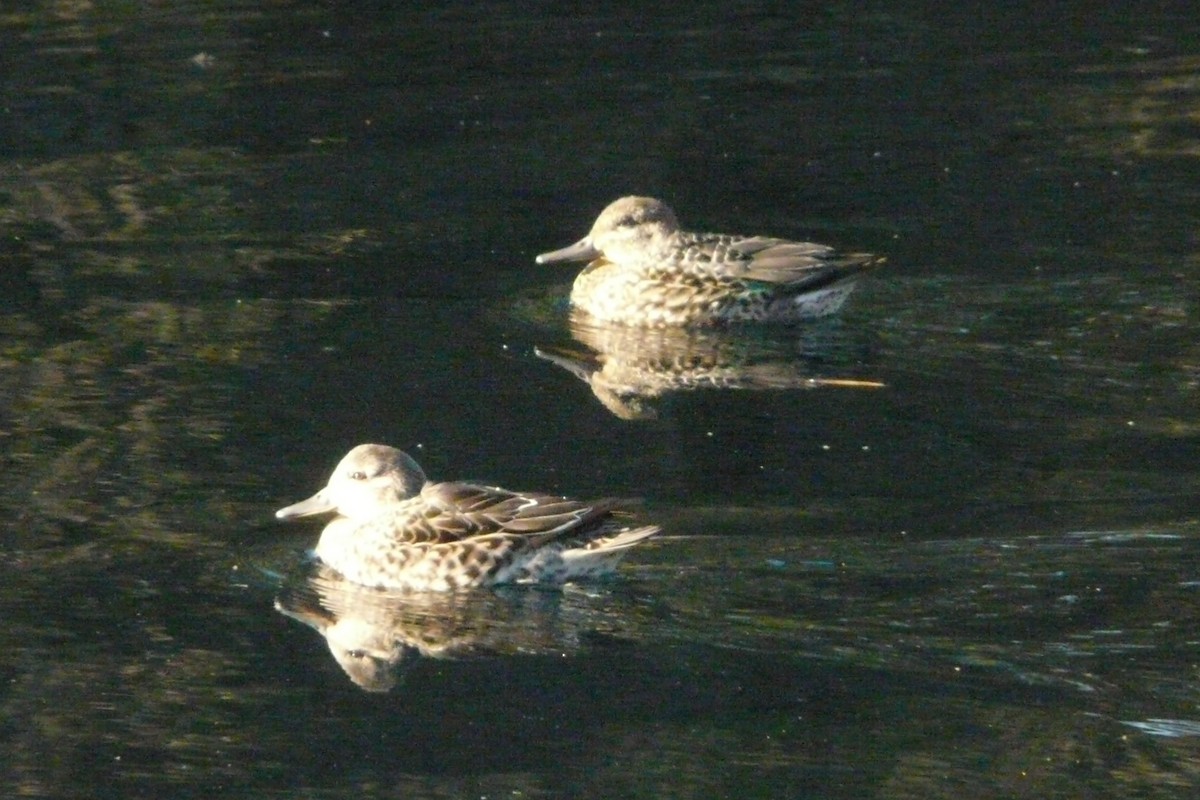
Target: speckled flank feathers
(395, 529)
(644, 270)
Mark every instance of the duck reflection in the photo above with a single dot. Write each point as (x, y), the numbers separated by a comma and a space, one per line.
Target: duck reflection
(376, 635)
(629, 368)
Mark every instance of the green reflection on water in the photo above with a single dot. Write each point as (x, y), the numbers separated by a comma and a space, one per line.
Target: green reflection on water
(903, 614)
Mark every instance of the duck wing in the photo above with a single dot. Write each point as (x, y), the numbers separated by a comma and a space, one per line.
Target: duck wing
(800, 266)
(455, 511)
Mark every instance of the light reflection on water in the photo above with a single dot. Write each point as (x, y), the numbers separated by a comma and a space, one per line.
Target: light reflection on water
(802, 591)
(802, 657)
(220, 273)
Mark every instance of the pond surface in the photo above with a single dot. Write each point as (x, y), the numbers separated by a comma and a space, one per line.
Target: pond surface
(947, 542)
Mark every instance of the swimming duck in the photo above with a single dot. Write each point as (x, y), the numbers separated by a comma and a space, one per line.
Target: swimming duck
(646, 271)
(395, 529)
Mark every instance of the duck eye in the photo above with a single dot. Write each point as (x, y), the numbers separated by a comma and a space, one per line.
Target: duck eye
(358, 475)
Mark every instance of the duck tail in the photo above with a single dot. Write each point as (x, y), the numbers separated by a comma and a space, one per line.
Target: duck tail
(620, 540)
(599, 556)
(843, 269)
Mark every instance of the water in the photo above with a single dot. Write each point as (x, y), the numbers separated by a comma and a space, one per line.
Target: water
(945, 543)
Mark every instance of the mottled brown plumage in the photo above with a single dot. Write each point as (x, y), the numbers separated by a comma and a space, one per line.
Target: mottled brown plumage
(645, 270)
(395, 529)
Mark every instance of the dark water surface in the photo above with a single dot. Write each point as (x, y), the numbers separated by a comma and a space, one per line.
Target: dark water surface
(239, 239)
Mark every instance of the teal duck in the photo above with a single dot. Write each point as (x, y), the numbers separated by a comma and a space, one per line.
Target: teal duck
(644, 270)
(396, 529)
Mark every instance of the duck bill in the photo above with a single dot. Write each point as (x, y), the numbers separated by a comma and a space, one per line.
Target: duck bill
(580, 251)
(317, 504)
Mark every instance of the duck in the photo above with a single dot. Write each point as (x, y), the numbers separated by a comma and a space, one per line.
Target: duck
(644, 270)
(396, 529)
